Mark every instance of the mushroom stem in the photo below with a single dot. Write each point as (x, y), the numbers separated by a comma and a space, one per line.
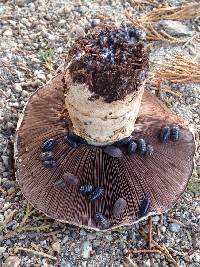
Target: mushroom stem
(100, 122)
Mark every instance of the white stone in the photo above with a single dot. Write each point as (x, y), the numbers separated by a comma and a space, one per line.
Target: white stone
(8, 33)
(18, 87)
(86, 248)
(12, 261)
(2, 250)
(56, 246)
(1, 218)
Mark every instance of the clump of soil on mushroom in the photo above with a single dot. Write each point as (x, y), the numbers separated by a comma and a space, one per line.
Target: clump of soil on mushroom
(111, 61)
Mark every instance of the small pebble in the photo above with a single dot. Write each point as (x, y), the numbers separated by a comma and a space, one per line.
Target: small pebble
(2, 250)
(86, 249)
(56, 246)
(174, 227)
(12, 261)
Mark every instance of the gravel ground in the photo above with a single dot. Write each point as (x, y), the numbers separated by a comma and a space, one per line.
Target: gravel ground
(32, 32)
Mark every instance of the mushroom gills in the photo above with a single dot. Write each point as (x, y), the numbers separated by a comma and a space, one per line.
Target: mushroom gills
(175, 133)
(165, 134)
(144, 208)
(96, 194)
(102, 220)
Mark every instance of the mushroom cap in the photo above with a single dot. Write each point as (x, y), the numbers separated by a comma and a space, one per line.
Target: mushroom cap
(162, 177)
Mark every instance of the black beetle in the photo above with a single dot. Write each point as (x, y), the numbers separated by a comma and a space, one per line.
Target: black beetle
(132, 147)
(165, 134)
(175, 133)
(97, 193)
(102, 220)
(49, 163)
(87, 189)
(48, 145)
(141, 146)
(145, 206)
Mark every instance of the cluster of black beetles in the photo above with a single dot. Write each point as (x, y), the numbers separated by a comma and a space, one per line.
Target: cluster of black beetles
(132, 145)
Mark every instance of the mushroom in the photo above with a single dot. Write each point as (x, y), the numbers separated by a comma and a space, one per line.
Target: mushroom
(105, 135)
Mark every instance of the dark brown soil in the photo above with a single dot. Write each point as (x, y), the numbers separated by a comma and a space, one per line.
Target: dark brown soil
(111, 61)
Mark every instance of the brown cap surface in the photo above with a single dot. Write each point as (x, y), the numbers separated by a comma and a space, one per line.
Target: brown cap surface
(162, 177)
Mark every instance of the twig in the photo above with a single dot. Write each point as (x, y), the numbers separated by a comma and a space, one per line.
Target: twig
(164, 250)
(146, 251)
(3, 191)
(150, 232)
(3, 93)
(179, 70)
(130, 261)
(173, 13)
(29, 211)
(177, 221)
(39, 253)
(33, 228)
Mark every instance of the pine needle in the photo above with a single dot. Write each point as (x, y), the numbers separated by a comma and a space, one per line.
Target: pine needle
(33, 228)
(29, 211)
(39, 253)
(147, 21)
(186, 12)
(179, 70)
(153, 34)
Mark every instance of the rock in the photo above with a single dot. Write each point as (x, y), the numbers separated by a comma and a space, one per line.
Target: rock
(91, 236)
(197, 210)
(65, 239)
(86, 248)
(11, 191)
(6, 206)
(147, 263)
(1, 218)
(56, 246)
(20, 3)
(197, 258)
(1, 238)
(174, 227)
(163, 229)
(78, 31)
(174, 28)
(198, 170)
(40, 75)
(82, 232)
(65, 263)
(5, 161)
(12, 261)
(109, 237)
(8, 33)
(95, 22)
(2, 250)
(156, 218)
(18, 87)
